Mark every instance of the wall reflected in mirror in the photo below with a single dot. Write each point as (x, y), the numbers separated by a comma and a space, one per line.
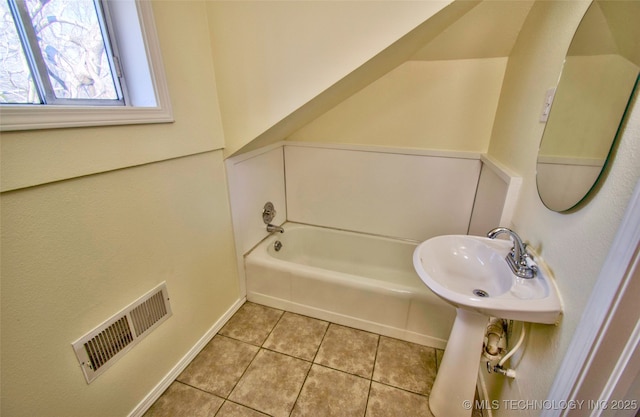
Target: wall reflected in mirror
(598, 78)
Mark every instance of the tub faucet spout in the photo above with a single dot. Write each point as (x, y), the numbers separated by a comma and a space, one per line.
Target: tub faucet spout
(273, 228)
(517, 257)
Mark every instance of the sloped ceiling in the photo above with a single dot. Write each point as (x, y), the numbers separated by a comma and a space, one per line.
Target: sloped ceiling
(612, 29)
(487, 31)
(463, 30)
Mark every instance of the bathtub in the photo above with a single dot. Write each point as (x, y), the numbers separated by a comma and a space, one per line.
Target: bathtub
(354, 279)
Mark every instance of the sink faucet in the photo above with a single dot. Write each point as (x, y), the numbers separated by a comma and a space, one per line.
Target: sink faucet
(517, 257)
(273, 228)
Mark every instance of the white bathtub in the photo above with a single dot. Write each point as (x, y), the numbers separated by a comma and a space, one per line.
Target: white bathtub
(354, 279)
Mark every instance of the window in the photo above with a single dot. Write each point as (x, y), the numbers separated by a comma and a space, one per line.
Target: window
(58, 52)
(66, 63)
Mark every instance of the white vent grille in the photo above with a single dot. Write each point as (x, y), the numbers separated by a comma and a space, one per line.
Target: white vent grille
(148, 313)
(101, 347)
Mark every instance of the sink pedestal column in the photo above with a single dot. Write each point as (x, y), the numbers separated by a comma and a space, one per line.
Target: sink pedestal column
(456, 379)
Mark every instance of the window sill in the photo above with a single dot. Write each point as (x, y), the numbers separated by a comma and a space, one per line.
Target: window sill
(30, 117)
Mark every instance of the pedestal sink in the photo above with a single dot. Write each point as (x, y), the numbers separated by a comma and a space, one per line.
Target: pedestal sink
(471, 273)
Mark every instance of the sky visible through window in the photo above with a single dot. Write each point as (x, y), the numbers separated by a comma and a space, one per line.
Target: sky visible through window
(67, 45)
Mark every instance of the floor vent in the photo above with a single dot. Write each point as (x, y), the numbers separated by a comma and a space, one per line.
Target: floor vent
(101, 347)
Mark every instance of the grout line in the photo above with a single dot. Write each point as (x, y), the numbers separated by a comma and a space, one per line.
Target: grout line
(375, 357)
(401, 389)
(245, 369)
(286, 354)
(342, 371)
(293, 407)
(324, 335)
(366, 405)
(272, 329)
(199, 389)
(241, 405)
(373, 372)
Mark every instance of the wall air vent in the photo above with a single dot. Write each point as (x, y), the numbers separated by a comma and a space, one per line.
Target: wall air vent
(100, 348)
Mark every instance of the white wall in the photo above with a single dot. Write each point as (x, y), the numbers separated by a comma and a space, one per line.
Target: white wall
(496, 197)
(388, 191)
(391, 194)
(574, 245)
(254, 179)
(93, 218)
(76, 252)
(447, 105)
(37, 157)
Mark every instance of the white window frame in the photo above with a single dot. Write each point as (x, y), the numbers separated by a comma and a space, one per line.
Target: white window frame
(146, 82)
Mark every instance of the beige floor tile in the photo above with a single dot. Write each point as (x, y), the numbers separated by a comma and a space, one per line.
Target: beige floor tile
(405, 365)
(219, 366)
(183, 400)
(386, 401)
(271, 384)
(261, 363)
(297, 336)
(252, 323)
(330, 393)
(230, 409)
(348, 350)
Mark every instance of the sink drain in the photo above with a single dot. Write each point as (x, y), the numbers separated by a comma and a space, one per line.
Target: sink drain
(480, 293)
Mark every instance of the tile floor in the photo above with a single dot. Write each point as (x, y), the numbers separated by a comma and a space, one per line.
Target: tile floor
(268, 362)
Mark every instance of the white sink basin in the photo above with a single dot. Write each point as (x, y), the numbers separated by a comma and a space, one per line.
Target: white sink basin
(470, 272)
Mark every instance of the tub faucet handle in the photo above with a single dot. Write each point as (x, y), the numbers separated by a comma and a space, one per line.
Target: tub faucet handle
(268, 212)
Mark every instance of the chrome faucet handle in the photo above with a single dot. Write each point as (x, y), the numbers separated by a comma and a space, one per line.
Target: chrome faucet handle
(268, 212)
(517, 256)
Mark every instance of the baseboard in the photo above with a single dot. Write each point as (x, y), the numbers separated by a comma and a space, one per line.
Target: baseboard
(157, 391)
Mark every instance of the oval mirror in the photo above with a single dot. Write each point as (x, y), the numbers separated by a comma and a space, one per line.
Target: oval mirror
(598, 78)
